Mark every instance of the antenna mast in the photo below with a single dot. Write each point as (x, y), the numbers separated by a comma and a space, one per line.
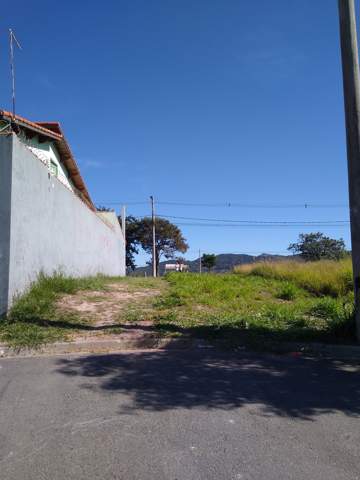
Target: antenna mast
(12, 38)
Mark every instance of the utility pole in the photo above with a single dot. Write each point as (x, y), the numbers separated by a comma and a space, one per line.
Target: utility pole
(350, 67)
(200, 262)
(153, 236)
(123, 225)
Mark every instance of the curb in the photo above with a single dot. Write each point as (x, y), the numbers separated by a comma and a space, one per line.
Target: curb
(341, 352)
(100, 346)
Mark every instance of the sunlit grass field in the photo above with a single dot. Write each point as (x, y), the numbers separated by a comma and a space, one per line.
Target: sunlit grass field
(324, 277)
(265, 302)
(259, 305)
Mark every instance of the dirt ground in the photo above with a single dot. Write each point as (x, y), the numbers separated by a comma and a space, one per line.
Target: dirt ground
(120, 310)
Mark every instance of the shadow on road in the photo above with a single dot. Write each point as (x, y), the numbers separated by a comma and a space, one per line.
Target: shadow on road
(209, 379)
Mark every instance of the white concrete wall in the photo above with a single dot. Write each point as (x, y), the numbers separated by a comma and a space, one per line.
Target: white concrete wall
(52, 229)
(5, 201)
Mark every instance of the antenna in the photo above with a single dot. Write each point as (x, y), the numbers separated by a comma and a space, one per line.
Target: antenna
(12, 66)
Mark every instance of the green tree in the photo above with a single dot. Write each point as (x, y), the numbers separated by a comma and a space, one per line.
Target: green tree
(133, 229)
(208, 260)
(169, 238)
(316, 246)
(101, 208)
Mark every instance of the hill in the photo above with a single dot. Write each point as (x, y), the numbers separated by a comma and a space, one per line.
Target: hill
(225, 262)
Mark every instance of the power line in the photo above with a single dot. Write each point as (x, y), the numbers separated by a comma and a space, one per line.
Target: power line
(244, 252)
(254, 205)
(216, 222)
(262, 225)
(234, 204)
(259, 222)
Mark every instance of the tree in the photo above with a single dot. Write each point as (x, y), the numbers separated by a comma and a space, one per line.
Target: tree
(133, 227)
(101, 208)
(169, 238)
(316, 246)
(208, 260)
(181, 260)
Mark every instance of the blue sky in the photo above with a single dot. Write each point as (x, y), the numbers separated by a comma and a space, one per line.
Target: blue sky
(198, 101)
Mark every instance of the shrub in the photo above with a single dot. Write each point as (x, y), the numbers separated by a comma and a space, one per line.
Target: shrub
(287, 291)
(338, 316)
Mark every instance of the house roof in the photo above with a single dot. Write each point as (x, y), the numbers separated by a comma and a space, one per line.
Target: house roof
(53, 132)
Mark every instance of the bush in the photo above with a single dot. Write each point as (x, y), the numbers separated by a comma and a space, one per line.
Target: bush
(338, 316)
(287, 291)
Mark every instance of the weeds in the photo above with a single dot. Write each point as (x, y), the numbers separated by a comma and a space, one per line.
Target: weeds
(258, 305)
(33, 319)
(325, 277)
(287, 291)
(236, 308)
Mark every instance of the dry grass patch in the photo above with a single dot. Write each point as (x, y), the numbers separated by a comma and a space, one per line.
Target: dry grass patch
(110, 307)
(324, 277)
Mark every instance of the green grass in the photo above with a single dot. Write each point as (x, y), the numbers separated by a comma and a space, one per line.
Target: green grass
(259, 305)
(33, 320)
(245, 307)
(288, 291)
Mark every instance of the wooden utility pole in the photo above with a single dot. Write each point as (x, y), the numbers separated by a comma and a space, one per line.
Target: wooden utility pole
(350, 67)
(123, 225)
(153, 237)
(200, 261)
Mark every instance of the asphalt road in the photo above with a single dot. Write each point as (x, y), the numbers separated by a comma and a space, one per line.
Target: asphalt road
(200, 415)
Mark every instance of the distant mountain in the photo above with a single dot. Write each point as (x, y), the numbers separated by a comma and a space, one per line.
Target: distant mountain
(225, 262)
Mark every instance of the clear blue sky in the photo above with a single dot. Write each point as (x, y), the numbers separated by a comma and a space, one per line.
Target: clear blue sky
(201, 101)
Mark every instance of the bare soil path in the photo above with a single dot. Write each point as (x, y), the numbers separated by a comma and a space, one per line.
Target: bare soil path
(121, 311)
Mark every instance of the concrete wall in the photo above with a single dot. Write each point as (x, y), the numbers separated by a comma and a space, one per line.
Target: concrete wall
(5, 201)
(51, 229)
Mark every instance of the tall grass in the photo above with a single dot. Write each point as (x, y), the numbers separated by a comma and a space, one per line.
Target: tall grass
(33, 319)
(257, 307)
(325, 277)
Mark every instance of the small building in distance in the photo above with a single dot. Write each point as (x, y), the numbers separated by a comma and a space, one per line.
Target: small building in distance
(48, 220)
(176, 267)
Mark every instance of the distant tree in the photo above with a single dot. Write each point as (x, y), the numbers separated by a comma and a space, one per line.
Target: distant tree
(208, 260)
(101, 208)
(133, 233)
(180, 259)
(316, 246)
(169, 238)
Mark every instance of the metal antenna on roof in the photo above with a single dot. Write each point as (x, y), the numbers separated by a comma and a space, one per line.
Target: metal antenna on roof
(12, 66)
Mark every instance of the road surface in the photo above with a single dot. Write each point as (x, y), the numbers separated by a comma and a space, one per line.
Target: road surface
(188, 415)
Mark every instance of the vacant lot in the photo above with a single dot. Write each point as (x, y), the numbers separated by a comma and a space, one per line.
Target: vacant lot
(258, 305)
(60, 308)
